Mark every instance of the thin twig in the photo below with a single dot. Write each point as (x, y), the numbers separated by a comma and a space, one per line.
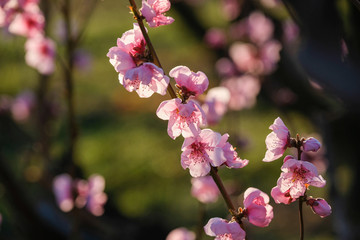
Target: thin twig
(220, 185)
(301, 219)
(69, 81)
(156, 60)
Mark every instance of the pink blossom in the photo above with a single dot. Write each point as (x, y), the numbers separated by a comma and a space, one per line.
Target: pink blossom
(243, 91)
(290, 31)
(215, 37)
(259, 28)
(154, 12)
(297, 175)
(225, 67)
(311, 144)
(62, 188)
(270, 56)
(131, 60)
(22, 106)
(82, 190)
(319, 207)
(91, 194)
(189, 82)
(146, 80)
(10, 9)
(97, 198)
(258, 60)
(181, 234)
(40, 54)
(224, 230)
(204, 189)
(277, 141)
(216, 104)
(184, 118)
(246, 58)
(28, 23)
(280, 197)
(257, 207)
(231, 9)
(231, 156)
(201, 152)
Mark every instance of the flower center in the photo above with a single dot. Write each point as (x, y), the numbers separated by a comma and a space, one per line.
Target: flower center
(226, 236)
(140, 54)
(299, 174)
(198, 150)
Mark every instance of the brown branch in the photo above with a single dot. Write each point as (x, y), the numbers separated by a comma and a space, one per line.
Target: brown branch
(139, 18)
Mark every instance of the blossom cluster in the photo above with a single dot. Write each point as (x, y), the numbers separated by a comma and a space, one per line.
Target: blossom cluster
(70, 193)
(297, 175)
(253, 54)
(204, 150)
(24, 18)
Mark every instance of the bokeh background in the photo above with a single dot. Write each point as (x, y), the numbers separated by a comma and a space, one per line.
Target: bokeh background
(120, 137)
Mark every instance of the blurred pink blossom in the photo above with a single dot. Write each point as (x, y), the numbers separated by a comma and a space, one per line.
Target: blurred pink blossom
(311, 145)
(184, 118)
(280, 197)
(82, 190)
(224, 230)
(22, 105)
(256, 28)
(189, 82)
(231, 9)
(290, 31)
(62, 188)
(249, 58)
(277, 141)
(243, 90)
(180, 234)
(25, 13)
(216, 104)
(27, 24)
(257, 207)
(215, 38)
(81, 193)
(40, 54)
(204, 189)
(297, 175)
(154, 12)
(96, 198)
(259, 28)
(270, 56)
(319, 206)
(225, 67)
(201, 152)
(245, 57)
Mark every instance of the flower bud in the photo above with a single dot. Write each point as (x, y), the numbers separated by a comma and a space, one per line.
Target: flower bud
(311, 144)
(319, 207)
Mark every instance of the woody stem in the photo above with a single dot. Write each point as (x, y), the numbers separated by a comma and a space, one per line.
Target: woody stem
(301, 219)
(139, 19)
(224, 194)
